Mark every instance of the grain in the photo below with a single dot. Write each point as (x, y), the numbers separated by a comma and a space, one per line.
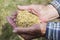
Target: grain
(26, 19)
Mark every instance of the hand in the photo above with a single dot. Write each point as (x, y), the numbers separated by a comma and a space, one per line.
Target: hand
(45, 12)
(27, 33)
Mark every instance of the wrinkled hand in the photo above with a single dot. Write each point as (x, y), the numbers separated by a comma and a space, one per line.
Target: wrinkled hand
(27, 33)
(45, 12)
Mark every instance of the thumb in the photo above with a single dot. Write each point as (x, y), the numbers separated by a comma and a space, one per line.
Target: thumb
(19, 30)
(23, 7)
(15, 30)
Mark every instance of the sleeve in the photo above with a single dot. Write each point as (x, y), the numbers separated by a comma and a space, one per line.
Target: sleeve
(53, 31)
(56, 4)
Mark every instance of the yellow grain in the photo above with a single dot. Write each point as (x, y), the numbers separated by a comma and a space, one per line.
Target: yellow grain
(25, 19)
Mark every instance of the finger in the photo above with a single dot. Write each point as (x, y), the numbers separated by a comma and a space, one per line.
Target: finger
(34, 11)
(14, 14)
(20, 30)
(30, 9)
(23, 7)
(29, 37)
(53, 16)
(48, 17)
(11, 22)
(33, 30)
(27, 8)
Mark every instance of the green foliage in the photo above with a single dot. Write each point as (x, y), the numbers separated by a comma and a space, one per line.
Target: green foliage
(7, 33)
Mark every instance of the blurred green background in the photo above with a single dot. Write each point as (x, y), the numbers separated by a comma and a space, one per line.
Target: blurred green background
(6, 9)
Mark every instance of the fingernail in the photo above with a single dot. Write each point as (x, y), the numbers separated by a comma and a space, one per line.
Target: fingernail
(14, 31)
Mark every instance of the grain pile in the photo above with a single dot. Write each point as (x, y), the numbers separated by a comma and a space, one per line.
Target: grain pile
(26, 19)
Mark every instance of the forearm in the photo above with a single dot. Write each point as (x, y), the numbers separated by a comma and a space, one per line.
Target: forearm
(56, 4)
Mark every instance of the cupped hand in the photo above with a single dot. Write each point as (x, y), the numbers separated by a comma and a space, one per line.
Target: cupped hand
(44, 12)
(28, 33)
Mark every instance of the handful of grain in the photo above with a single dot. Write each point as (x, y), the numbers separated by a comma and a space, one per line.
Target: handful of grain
(26, 19)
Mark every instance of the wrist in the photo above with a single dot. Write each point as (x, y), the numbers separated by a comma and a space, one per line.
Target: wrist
(56, 4)
(43, 28)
